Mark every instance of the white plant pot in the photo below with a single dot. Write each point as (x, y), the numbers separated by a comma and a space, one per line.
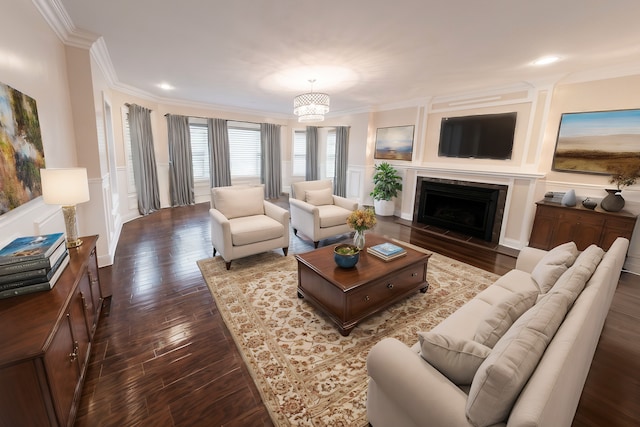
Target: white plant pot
(384, 207)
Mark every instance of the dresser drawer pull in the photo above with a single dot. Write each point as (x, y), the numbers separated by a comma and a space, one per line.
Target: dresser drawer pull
(366, 298)
(390, 286)
(414, 274)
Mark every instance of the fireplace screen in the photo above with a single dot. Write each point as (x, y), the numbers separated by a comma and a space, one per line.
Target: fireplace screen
(463, 208)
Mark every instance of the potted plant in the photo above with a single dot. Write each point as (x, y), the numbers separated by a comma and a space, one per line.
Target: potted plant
(346, 255)
(387, 183)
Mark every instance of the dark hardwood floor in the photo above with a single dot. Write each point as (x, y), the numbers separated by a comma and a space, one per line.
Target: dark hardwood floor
(164, 357)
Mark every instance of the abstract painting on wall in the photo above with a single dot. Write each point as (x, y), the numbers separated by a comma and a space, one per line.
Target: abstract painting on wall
(394, 143)
(601, 142)
(21, 153)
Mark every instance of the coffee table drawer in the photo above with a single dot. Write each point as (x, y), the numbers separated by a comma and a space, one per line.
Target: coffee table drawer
(380, 292)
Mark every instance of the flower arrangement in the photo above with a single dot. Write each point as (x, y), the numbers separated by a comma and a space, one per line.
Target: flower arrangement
(362, 219)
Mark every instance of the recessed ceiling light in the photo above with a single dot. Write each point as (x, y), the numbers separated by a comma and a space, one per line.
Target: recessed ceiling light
(546, 60)
(165, 86)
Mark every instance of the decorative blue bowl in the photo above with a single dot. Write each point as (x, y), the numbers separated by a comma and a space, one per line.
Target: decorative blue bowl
(346, 260)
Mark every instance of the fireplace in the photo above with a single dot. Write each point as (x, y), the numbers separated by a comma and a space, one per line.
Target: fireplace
(472, 208)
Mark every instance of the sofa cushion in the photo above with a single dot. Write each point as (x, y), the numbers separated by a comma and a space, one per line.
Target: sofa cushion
(239, 201)
(502, 316)
(253, 229)
(512, 281)
(575, 278)
(502, 376)
(319, 197)
(553, 264)
(457, 359)
(332, 215)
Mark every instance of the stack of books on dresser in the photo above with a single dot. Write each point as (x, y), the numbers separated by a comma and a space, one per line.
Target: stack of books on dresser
(32, 264)
(387, 251)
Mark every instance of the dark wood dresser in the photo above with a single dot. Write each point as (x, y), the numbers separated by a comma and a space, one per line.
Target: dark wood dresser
(555, 224)
(45, 340)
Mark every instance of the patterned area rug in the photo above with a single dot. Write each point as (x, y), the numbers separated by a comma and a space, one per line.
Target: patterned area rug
(307, 373)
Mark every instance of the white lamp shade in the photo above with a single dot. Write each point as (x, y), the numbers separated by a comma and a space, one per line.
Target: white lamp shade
(66, 187)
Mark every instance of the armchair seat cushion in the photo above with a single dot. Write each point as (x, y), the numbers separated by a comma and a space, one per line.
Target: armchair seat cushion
(332, 215)
(252, 229)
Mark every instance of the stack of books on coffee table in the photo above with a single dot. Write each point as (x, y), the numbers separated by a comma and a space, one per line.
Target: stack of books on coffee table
(32, 264)
(387, 251)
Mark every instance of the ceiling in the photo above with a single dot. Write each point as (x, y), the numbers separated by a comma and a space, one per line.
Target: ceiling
(367, 54)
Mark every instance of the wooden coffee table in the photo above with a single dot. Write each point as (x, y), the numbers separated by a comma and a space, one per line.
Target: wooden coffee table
(350, 295)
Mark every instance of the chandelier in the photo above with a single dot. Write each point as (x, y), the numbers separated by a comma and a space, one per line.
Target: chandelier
(312, 106)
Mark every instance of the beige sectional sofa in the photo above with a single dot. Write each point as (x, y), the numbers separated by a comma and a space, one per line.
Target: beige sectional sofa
(517, 354)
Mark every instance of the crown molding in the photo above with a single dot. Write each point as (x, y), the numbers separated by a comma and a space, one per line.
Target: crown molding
(611, 72)
(100, 54)
(60, 22)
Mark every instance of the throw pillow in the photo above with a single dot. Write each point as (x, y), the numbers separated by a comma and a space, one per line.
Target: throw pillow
(319, 197)
(575, 278)
(553, 264)
(457, 359)
(239, 201)
(504, 373)
(502, 315)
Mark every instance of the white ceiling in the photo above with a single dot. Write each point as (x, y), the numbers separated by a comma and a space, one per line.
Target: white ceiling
(367, 54)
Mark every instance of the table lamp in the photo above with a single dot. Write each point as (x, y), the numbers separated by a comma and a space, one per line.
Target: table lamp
(67, 187)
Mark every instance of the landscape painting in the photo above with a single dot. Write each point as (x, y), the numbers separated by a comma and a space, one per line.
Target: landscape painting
(394, 143)
(600, 142)
(21, 153)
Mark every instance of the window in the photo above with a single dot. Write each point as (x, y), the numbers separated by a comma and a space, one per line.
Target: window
(131, 184)
(199, 150)
(299, 153)
(331, 154)
(244, 149)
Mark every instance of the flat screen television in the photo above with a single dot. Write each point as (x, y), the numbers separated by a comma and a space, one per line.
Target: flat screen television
(487, 136)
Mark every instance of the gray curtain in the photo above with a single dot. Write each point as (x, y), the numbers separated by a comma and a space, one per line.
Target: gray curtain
(180, 165)
(145, 172)
(219, 159)
(271, 170)
(342, 154)
(312, 154)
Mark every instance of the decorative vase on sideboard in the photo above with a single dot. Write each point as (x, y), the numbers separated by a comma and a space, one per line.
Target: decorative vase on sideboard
(589, 204)
(613, 202)
(569, 198)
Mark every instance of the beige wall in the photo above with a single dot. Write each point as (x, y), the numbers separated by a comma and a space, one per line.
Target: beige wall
(33, 61)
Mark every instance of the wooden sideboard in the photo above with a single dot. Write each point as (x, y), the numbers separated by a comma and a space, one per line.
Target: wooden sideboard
(555, 224)
(45, 341)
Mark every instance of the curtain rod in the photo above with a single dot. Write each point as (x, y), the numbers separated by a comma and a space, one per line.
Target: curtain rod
(126, 104)
(247, 121)
(228, 120)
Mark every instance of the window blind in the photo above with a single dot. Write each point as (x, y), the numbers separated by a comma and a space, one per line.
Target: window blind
(331, 154)
(299, 153)
(244, 149)
(199, 151)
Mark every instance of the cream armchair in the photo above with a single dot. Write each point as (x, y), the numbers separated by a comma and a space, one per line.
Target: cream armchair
(243, 223)
(317, 212)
